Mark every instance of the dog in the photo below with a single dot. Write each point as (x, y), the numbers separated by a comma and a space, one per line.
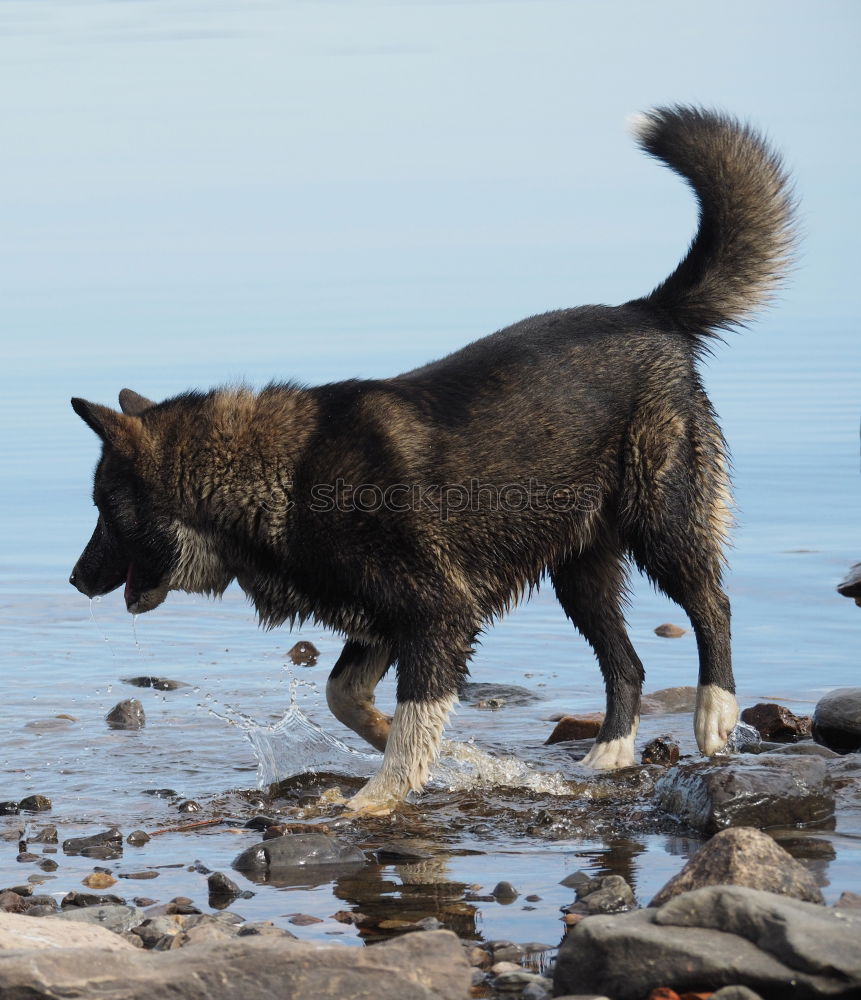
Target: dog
(407, 513)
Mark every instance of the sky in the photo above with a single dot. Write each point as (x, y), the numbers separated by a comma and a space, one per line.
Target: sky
(354, 187)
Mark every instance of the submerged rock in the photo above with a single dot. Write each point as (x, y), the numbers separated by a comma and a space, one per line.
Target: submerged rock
(111, 840)
(669, 701)
(760, 791)
(851, 586)
(298, 850)
(837, 720)
(669, 631)
(743, 856)
(662, 750)
(304, 654)
(713, 937)
(159, 683)
(473, 692)
(777, 722)
(35, 803)
(126, 714)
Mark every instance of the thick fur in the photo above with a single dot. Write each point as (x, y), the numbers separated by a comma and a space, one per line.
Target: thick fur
(408, 512)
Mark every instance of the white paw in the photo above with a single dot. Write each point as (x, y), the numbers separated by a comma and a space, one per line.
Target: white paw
(715, 718)
(612, 755)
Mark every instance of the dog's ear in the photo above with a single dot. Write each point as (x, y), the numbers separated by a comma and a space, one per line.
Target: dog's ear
(133, 403)
(119, 431)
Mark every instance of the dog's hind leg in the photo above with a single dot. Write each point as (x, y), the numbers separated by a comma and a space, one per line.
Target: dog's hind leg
(679, 525)
(591, 590)
(350, 690)
(428, 679)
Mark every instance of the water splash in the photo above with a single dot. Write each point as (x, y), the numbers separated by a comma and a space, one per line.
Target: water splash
(295, 744)
(742, 736)
(464, 767)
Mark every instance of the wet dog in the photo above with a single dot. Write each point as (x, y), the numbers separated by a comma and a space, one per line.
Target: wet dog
(407, 513)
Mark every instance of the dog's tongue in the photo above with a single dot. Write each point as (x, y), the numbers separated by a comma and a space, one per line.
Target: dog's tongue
(129, 593)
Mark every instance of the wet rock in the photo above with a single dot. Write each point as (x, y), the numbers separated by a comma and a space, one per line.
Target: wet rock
(746, 857)
(297, 850)
(399, 853)
(516, 980)
(576, 727)
(760, 791)
(610, 894)
(84, 899)
(851, 586)
(504, 892)
(668, 631)
(153, 930)
(35, 803)
(805, 749)
(160, 793)
(127, 714)
(260, 823)
(144, 875)
(777, 723)
(189, 806)
(116, 917)
(669, 701)
(110, 840)
(304, 654)
(47, 865)
(47, 835)
(837, 720)
(159, 683)
(25, 857)
(137, 838)
(472, 693)
(662, 750)
(714, 937)
(305, 919)
(735, 993)
(222, 890)
(9, 808)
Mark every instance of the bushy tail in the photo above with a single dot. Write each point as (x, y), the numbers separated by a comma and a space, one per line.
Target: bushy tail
(745, 238)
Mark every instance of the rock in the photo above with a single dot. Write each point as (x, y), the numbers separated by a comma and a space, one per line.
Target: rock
(222, 890)
(399, 853)
(147, 873)
(837, 720)
(609, 894)
(747, 857)
(504, 892)
(47, 835)
(473, 693)
(79, 900)
(137, 838)
(851, 586)
(116, 917)
(11, 902)
(111, 839)
(35, 803)
(127, 714)
(159, 683)
(668, 631)
(761, 791)
(777, 722)
(661, 750)
(99, 880)
(189, 806)
(425, 965)
(295, 850)
(576, 727)
(714, 937)
(30, 938)
(304, 654)
(735, 993)
(806, 748)
(304, 919)
(669, 701)
(9, 808)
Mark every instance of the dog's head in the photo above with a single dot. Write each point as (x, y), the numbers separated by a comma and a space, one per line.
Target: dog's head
(140, 539)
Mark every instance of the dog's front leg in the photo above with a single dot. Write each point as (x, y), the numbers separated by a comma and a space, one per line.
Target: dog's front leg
(412, 747)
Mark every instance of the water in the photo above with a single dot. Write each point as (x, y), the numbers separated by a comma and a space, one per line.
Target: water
(193, 241)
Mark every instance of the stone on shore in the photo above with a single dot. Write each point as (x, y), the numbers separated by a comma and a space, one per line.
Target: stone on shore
(33, 934)
(837, 720)
(425, 965)
(743, 856)
(713, 937)
(760, 791)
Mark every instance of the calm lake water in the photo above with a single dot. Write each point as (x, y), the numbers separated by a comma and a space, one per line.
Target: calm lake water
(120, 285)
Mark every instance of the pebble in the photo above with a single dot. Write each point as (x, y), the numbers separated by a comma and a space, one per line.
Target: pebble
(504, 892)
(189, 806)
(9, 808)
(662, 750)
(221, 886)
(11, 902)
(147, 873)
(47, 835)
(126, 714)
(159, 683)
(137, 838)
(304, 919)
(668, 631)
